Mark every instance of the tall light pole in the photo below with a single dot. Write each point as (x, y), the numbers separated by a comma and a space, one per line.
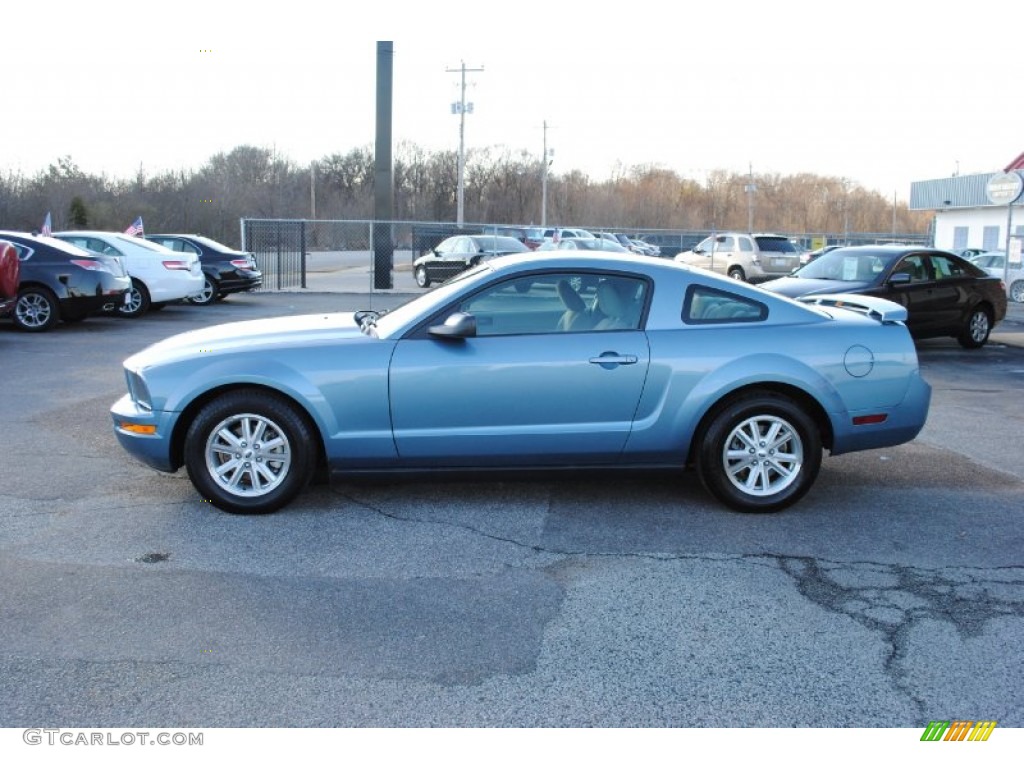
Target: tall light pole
(545, 162)
(460, 108)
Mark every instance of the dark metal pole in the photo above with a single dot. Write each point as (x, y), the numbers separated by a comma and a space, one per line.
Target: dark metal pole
(384, 177)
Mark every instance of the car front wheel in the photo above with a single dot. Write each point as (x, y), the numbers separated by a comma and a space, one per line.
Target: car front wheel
(422, 278)
(761, 453)
(36, 309)
(250, 452)
(975, 332)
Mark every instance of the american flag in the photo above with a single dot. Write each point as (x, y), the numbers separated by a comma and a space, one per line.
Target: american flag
(136, 228)
(47, 229)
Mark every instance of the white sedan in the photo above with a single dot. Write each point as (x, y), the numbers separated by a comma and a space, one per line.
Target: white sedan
(994, 262)
(159, 275)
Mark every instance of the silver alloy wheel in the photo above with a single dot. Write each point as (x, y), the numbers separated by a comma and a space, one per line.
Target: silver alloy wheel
(422, 278)
(979, 327)
(763, 455)
(1017, 292)
(248, 455)
(208, 295)
(33, 311)
(134, 302)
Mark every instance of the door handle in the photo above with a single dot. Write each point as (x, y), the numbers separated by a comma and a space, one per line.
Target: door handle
(609, 360)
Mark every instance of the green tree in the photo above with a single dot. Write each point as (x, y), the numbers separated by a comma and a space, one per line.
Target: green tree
(78, 214)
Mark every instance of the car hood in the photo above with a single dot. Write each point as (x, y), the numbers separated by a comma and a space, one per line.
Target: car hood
(806, 286)
(250, 335)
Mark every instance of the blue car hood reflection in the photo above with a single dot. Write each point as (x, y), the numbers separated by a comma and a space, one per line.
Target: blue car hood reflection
(250, 334)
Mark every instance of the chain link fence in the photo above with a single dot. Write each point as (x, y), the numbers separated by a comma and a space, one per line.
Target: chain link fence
(372, 255)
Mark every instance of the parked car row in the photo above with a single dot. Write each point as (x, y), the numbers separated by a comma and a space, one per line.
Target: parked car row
(70, 275)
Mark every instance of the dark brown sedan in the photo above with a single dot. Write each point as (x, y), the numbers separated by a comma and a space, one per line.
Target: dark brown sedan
(944, 294)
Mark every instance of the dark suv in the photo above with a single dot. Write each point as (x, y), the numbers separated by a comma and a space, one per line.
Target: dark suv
(226, 270)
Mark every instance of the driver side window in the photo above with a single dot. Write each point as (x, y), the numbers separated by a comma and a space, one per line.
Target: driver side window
(558, 303)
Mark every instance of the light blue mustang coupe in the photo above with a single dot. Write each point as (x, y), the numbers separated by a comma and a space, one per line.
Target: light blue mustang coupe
(533, 362)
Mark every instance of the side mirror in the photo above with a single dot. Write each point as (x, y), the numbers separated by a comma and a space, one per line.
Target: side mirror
(460, 325)
(899, 278)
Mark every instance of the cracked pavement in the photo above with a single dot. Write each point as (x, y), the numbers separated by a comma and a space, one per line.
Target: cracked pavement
(891, 596)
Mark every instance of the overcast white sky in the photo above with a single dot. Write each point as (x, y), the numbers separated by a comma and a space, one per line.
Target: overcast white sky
(882, 93)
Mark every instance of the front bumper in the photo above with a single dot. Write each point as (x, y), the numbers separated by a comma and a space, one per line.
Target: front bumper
(146, 435)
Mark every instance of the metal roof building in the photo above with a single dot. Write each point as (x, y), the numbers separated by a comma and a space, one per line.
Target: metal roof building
(964, 217)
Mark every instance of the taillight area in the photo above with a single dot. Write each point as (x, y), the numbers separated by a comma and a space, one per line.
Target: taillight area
(241, 264)
(874, 418)
(92, 266)
(182, 265)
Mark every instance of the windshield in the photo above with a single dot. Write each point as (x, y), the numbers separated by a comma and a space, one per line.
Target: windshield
(398, 319)
(847, 264)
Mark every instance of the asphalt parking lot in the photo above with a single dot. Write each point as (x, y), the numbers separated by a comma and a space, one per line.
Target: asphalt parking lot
(891, 596)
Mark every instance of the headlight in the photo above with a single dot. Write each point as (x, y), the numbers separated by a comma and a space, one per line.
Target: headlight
(138, 390)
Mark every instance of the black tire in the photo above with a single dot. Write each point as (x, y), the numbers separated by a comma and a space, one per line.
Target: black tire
(156, 306)
(216, 449)
(737, 273)
(36, 310)
(209, 294)
(422, 278)
(138, 301)
(976, 330)
(780, 469)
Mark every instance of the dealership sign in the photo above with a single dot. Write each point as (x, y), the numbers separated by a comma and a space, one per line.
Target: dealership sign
(1004, 188)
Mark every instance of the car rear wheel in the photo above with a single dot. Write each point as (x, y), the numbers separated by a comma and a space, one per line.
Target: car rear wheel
(1017, 292)
(36, 309)
(761, 453)
(250, 452)
(422, 278)
(209, 294)
(138, 301)
(737, 273)
(975, 332)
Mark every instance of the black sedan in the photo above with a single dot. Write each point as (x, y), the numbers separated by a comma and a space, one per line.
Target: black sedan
(226, 270)
(944, 294)
(59, 281)
(459, 253)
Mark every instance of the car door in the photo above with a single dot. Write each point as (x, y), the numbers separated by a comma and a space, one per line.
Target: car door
(952, 294)
(703, 253)
(527, 389)
(917, 296)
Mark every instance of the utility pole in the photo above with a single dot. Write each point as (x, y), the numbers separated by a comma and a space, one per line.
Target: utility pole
(750, 189)
(312, 190)
(544, 178)
(460, 108)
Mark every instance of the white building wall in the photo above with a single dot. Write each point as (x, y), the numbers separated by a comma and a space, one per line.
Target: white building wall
(975, 219)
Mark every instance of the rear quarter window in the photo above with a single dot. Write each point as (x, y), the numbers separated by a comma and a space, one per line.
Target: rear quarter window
(705, 305)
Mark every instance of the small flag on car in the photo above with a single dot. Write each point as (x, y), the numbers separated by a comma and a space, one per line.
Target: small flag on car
(136, 228)
(47, 229)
